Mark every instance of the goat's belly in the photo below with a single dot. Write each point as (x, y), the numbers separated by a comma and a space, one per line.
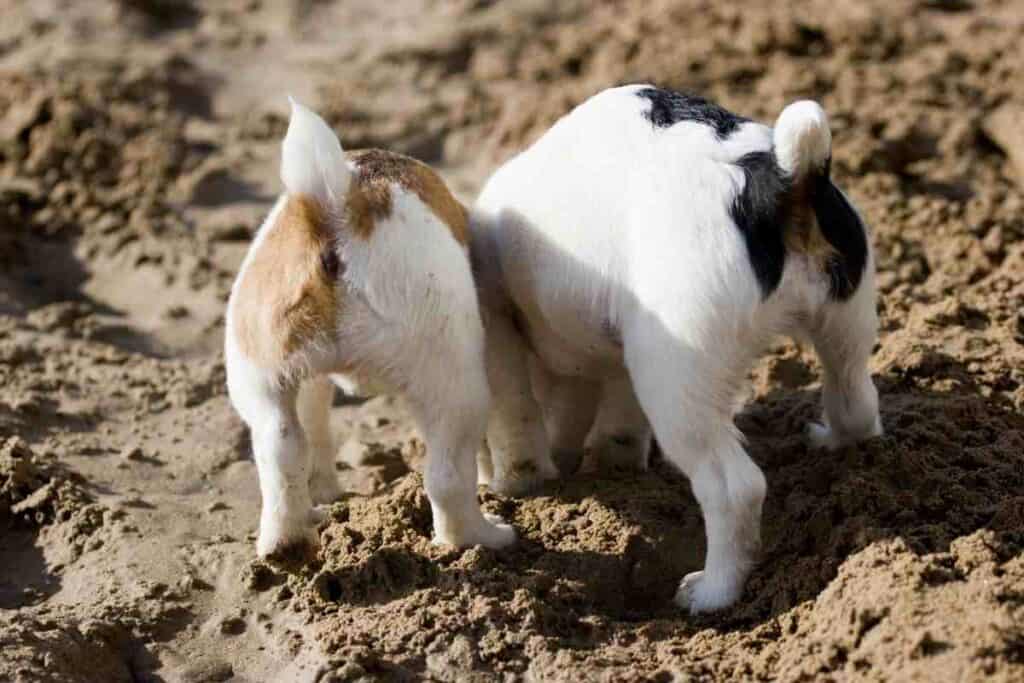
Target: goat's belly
(575, 346)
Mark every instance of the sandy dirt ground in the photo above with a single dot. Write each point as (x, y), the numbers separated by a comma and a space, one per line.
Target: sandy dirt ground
(138, 150)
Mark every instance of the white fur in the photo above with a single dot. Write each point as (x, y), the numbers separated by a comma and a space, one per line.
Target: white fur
(312, 161)
(802, 138)
(614, 241)
(409, 322)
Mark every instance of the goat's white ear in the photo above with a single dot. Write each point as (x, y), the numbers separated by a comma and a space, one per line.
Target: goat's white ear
(312, 161)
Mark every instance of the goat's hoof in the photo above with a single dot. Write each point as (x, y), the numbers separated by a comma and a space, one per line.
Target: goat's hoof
(699, 593)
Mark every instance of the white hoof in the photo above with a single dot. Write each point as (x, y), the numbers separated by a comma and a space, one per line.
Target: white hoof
(492, 532)
(820, 435)
(298, 539)
(699, 593)
(483, 478)
(499, 533)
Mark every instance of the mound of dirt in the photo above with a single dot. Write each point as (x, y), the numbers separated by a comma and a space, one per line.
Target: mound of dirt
(868, 554)
(138, 152)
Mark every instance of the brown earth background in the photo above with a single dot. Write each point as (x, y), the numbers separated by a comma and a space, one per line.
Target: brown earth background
(138, 152)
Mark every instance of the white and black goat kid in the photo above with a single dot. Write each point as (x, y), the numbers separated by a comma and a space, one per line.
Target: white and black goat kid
(635, 261)
(361, 269)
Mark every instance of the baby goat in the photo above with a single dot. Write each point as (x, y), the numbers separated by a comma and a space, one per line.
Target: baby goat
(360, 269)
(639, 256)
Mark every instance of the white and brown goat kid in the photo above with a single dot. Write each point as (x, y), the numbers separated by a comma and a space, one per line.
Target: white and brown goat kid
(360, 269)
(635, 260)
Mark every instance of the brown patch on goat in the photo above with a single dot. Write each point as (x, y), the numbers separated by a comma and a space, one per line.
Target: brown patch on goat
(803, 234)
(287, 296)
(370, 199)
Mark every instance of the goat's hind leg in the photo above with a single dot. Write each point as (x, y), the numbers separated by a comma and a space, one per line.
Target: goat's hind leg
(844, 335)
(452, 415)
(279, 446)
(518, 443)
(568, 405)
(687, 397)
(313, 407)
